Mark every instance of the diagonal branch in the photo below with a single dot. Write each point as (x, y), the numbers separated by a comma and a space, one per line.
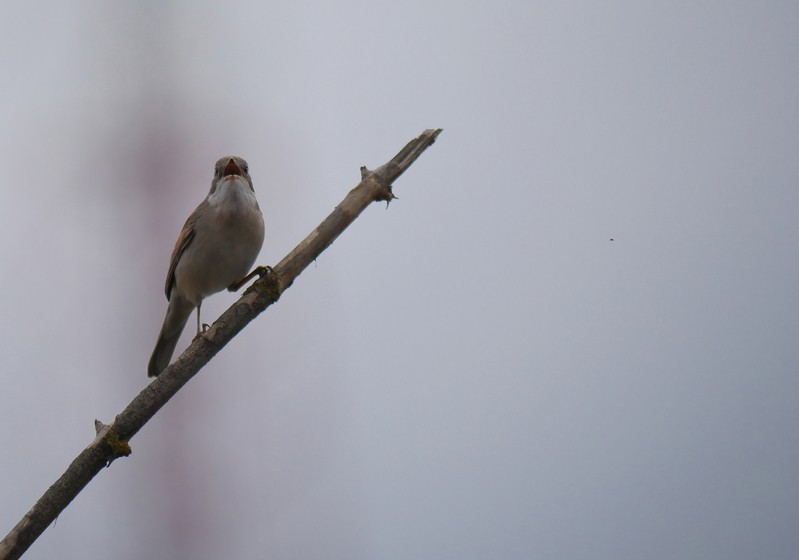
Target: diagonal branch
(111, 441)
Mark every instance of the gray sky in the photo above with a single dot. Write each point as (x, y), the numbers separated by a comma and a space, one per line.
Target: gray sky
(478, 372)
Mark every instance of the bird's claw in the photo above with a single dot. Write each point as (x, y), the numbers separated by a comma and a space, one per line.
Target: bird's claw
(259, 271)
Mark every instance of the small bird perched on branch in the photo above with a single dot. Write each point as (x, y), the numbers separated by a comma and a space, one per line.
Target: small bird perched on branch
(215, 249)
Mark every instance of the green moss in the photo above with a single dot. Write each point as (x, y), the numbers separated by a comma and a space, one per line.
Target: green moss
(120, 447)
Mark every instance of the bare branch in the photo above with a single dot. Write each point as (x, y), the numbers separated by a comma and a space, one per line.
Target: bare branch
(112, 441)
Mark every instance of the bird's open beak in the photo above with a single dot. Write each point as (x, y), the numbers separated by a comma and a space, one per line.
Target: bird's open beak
(231, 169)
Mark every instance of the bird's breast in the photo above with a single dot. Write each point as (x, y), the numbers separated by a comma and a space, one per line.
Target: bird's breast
(227, 241)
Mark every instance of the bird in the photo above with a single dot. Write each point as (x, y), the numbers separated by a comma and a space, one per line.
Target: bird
(215, 249)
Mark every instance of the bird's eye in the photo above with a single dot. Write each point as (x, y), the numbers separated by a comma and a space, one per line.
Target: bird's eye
(245, 168)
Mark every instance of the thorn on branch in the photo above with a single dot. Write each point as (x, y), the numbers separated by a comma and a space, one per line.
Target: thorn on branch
(385, 193)
(119, 447)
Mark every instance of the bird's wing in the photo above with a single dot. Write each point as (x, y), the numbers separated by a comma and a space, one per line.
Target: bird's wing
(184, 240)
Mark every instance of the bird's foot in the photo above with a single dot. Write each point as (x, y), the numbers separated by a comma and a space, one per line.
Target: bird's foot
(259, 271)
(202, 330)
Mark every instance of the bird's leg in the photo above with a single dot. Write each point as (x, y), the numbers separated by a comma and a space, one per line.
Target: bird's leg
(200, 328)
(259, 271)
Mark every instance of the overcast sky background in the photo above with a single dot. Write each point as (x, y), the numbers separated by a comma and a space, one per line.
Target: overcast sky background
(574, 336)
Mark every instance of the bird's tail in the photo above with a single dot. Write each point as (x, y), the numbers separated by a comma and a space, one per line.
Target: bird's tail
(177, 314)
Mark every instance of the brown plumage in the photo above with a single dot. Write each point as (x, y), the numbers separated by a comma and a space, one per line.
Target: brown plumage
(216, 247)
